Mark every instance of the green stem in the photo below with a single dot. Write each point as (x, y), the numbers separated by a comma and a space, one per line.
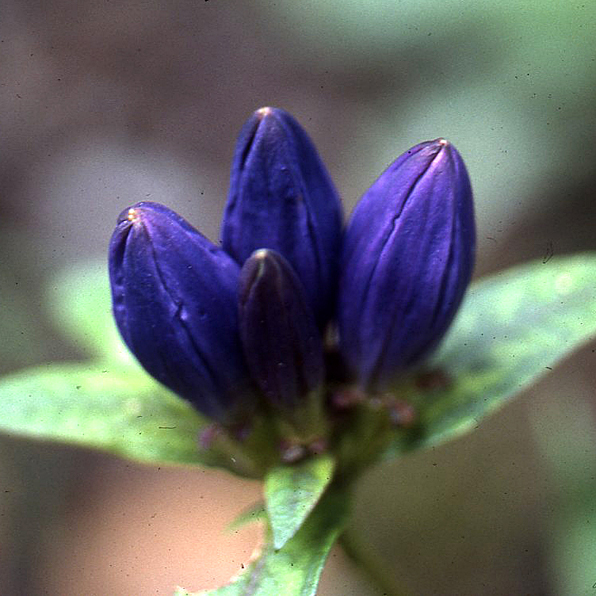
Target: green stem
(370, 566)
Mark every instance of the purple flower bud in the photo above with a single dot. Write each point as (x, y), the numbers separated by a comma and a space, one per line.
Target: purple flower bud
(281, 341)
(175, 302)
(281, 197)
(407, 259)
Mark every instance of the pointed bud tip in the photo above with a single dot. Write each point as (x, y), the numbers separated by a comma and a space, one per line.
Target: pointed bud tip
(264, 112)
(260, 258)
(440, 150)
(261, 254)
(256, 266)
(130, 215)
(437, 146)
(428, 151)
(263, 262)
(134, 214)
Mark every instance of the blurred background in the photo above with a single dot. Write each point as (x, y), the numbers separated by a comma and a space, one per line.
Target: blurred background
(107, 103)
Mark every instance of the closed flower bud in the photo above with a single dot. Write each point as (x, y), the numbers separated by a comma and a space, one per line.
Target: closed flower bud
(174, 296)
(281, 341)
(407, 259)
(281, 197)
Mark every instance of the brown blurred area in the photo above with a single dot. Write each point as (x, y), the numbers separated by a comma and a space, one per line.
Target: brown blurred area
(108, 103)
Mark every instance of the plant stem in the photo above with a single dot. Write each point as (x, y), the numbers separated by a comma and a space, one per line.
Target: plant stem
(369, 565)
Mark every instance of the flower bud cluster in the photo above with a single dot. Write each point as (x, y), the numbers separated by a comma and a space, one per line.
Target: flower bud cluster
(241, 326)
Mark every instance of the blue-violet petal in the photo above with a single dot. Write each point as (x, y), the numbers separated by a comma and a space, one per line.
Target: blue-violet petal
(281, 341)
(407, 259)
(281, 197)
(175, 302)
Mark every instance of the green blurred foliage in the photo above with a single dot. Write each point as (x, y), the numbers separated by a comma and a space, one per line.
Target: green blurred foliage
(510, 84)
(79, 303)
(291, 493)
(512, 328)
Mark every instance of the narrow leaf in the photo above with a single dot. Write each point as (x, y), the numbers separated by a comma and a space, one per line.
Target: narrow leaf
(291, 493)
(102, 408)
(254, 513)
(295, 569)
(513, 328)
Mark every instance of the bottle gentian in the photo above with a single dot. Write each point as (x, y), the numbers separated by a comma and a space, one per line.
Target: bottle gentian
(407, 258)
(238, 330)
(175, 302)
(282, 344)
(281, 197)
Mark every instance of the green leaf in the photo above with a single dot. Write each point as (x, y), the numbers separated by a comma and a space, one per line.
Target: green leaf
(256, 512)
(104, 408)
(291, 493)
(513, 328)
(80, 304)
(295, 569)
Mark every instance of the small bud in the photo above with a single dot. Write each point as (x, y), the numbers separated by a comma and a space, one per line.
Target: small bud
(281, 341)
(407, 259)
(281, 197)
(174, 297)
